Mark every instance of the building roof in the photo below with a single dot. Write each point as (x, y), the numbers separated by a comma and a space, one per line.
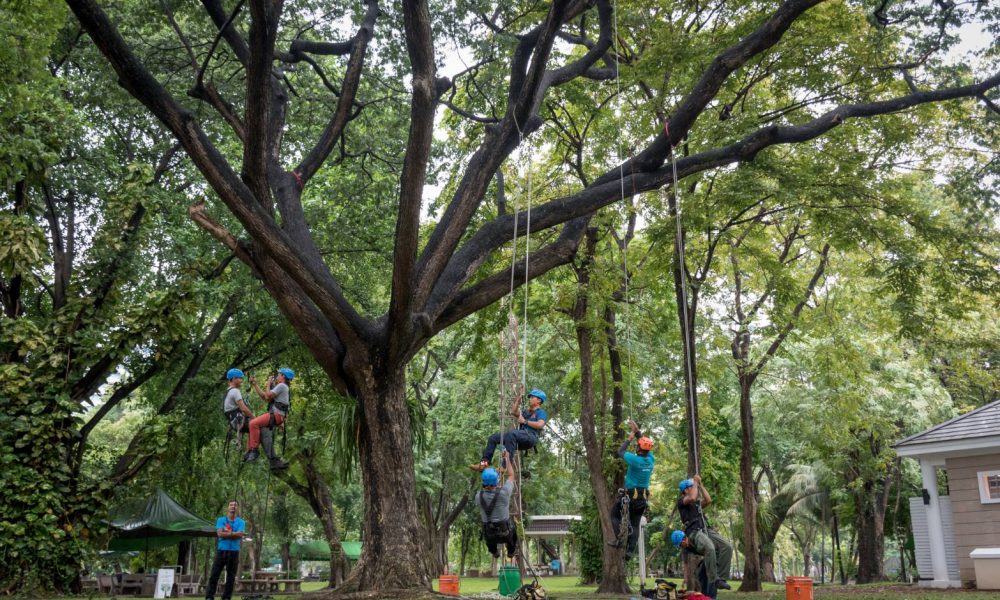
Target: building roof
(550, 525)
(979, 428)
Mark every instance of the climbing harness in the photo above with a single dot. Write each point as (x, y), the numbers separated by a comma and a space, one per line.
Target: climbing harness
(625, 525)
(499, 530)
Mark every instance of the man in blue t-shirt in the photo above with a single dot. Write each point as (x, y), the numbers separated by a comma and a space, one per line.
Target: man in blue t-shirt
(640, 469)
(530, 423)
(229, 529)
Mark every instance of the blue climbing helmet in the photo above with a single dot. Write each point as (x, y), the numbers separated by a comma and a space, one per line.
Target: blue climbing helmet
(685, 484)
(288, 373)
(677, 537)
(490, 476)
(537, 393)
(232, 374)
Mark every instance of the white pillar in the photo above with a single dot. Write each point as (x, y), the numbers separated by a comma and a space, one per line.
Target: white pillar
(934, 527)
(642, 552)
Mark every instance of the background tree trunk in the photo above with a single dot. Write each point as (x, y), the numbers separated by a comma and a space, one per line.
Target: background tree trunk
(751, 544)
(613, 576)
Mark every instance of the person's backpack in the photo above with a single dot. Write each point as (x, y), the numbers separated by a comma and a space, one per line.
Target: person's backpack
(491, 530)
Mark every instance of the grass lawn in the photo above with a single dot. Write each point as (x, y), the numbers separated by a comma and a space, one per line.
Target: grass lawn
(567, 588)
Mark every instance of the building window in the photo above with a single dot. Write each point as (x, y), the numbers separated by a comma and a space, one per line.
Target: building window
(989, 486)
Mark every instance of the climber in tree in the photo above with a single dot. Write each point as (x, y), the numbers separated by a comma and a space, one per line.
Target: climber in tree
(640, 469)
(494, 509)
(233, 406)
(700, 538)
(530, 424)
(278, 404)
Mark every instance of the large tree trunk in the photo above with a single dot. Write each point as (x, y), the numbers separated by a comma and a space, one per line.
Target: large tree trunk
(385, 449)
(751, 543)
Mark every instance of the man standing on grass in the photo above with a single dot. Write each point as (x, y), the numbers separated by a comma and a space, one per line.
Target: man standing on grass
(229, 529)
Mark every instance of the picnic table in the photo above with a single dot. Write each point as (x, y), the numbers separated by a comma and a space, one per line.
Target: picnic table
(269, 581)
(185, 585)
(137, 584)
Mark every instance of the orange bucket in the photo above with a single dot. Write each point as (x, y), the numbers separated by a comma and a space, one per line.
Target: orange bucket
(448, 584)
(798, 588)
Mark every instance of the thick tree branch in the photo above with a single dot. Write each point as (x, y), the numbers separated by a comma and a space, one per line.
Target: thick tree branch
(137, 80)
(528, 73)
(342, 115)
(224, 23)
(299, 47)
(62, 259)
(420, 46)
(494, 287)
(264, 16)
(767, 35)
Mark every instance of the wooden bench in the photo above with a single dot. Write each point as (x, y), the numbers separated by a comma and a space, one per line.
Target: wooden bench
(137, 584)
(257, 585)
(291, 585)
(185, 585)
(107, 585)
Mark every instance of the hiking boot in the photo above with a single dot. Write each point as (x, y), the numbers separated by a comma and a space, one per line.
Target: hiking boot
(278, 464)
(722, 584)
(251, 455)
(479, 466)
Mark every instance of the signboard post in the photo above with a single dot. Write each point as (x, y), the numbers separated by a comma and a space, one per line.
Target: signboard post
(164, 583)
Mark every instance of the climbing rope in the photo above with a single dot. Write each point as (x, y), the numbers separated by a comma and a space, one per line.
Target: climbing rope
(688, 345)
(625, 241)
(514, 380)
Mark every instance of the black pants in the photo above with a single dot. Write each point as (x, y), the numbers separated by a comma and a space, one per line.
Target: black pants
(707, 588)
(230, 559)
(510, 540)
(636, 508)
(513, 440)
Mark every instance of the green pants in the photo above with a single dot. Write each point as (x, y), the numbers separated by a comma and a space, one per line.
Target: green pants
(715, 551)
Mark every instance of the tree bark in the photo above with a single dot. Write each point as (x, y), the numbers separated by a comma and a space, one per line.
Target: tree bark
(751, 542)
(613, 576)
(386, 458)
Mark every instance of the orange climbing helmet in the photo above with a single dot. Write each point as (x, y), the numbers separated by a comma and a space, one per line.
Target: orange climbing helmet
(645, 443)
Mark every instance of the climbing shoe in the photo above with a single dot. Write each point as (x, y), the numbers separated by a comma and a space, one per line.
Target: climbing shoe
(278, 464)
(251, 455)
(479, 466)
(722, 584)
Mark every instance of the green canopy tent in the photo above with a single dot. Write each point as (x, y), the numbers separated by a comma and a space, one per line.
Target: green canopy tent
(320, 550)
(155, 522)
